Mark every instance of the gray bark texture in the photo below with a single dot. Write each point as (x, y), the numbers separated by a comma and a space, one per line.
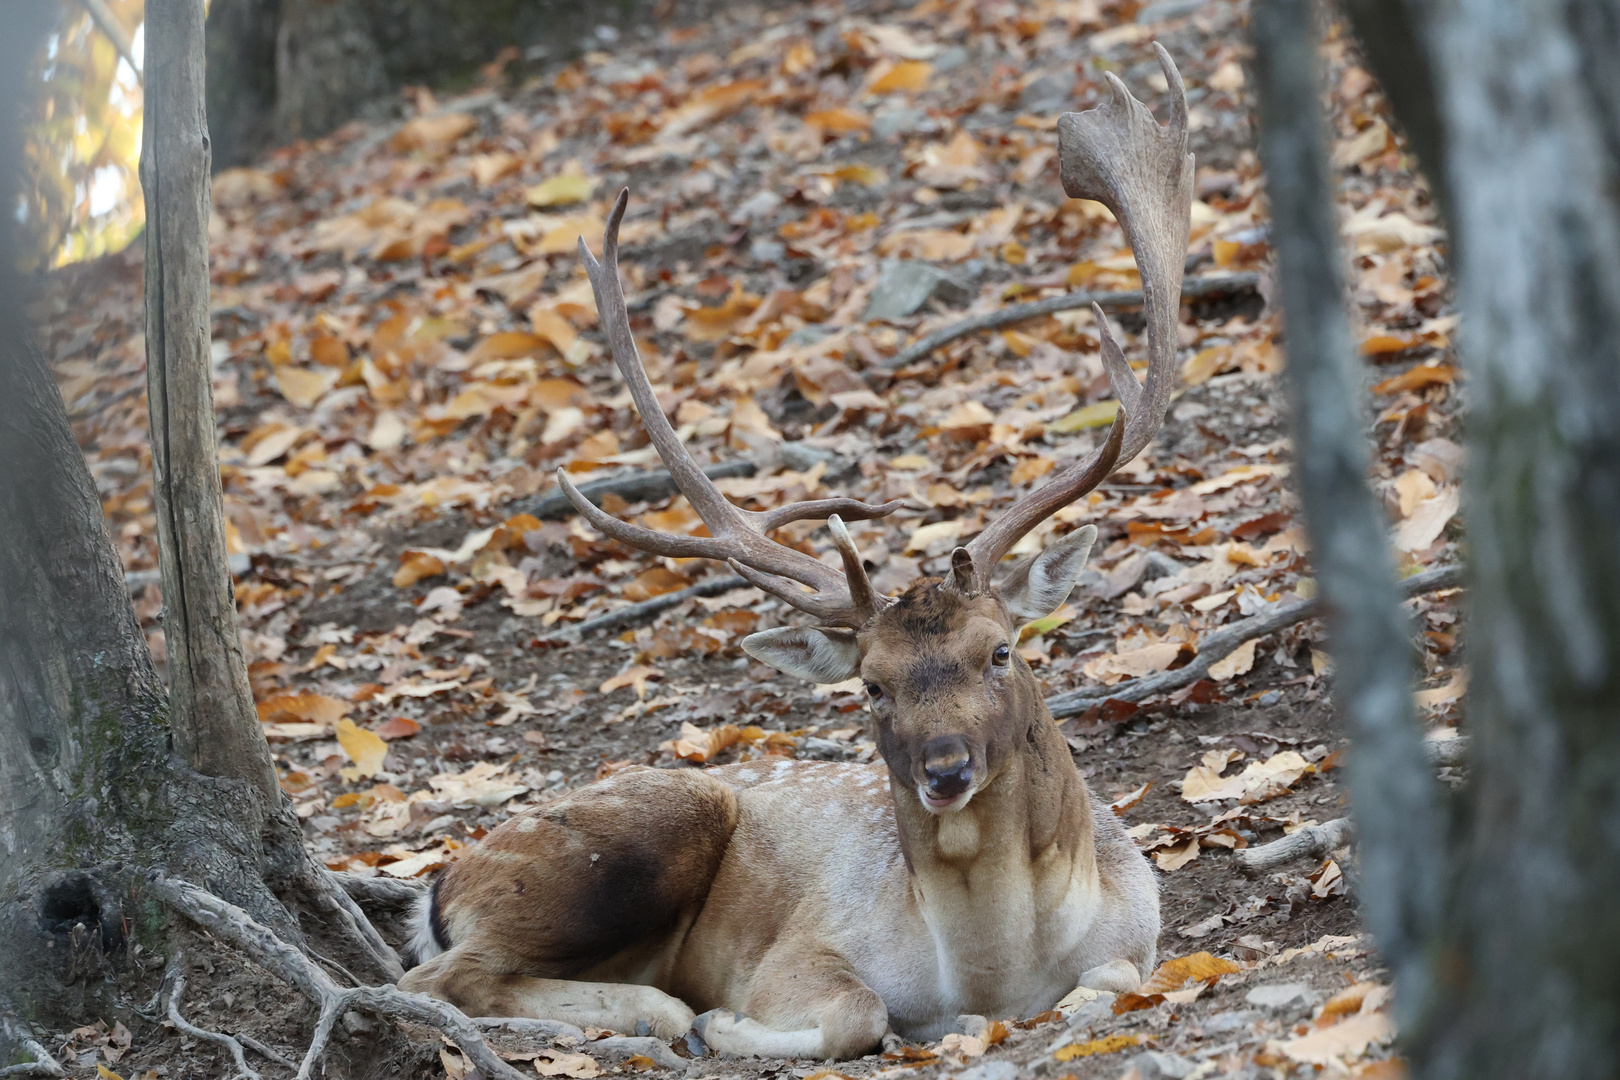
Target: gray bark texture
(1505, 945)
(211, 704)
(1530, 97)
(1396, 795)
(93, 792)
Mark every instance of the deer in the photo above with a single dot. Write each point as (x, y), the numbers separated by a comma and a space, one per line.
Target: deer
(814, 909)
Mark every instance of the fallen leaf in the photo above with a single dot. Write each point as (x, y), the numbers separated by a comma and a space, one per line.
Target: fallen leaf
(1129, 799)
(636, 677)
(564, 189)
(362, 747)
(1260, 781)
(1347, 1039)
(1234, 663)
(416, 565)
(1175, 858)
(302, 387)
(1428, 520)
(1174, 974)
(398, 727)
(310, 708)
(1107, 1045)
(910, 76)
(1431, 374)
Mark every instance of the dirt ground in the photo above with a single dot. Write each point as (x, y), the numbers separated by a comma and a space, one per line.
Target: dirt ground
(396, 591)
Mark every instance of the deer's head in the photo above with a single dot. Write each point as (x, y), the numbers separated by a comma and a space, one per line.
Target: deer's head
(950, 696)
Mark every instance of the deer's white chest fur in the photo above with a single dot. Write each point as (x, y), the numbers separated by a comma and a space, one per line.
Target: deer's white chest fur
(989, 931)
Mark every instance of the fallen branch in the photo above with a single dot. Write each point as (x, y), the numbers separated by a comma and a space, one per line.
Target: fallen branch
(1312, 840)
(42, 1065)
(648, 485)
(1192, 288)
(646, 609)
(236, 927)
(176, 992)
(1224, 642)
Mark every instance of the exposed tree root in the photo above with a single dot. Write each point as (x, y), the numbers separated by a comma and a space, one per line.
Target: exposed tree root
(42, 1065)
(233, 925)
(177, 988)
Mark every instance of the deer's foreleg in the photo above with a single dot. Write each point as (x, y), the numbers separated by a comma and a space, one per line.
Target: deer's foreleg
(801, 1006)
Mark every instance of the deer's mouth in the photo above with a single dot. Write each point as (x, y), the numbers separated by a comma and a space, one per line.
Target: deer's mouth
(935, 804)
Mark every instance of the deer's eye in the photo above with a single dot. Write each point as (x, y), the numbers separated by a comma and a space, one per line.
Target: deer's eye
(874, 691)
(1002, 654)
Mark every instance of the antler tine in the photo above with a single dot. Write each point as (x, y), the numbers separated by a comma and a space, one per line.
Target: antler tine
(736, 535)
(1118, 155)
(861, 594)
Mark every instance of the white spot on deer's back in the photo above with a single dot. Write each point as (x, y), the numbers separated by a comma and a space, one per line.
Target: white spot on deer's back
(528, 824)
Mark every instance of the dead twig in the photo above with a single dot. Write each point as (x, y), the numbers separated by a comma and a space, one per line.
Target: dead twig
(647, 485)
(646, 609)
(177, 990)
(108, 24)
(1225, 641)
(42, 1065)
(1209, 285)
(1312, 840)
(235, 926)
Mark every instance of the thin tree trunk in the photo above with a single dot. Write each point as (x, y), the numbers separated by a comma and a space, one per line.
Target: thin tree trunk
(1530, 94)
(212, 715)
(1396, 797)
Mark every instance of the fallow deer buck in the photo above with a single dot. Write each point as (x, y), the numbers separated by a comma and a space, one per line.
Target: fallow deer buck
(810, 907)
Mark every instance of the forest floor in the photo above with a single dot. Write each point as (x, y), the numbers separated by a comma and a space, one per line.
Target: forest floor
(406, 349)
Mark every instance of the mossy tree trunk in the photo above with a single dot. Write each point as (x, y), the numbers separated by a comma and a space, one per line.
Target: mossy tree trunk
(99, 784)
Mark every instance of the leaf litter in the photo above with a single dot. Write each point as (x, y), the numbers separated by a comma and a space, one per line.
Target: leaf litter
(405, 349)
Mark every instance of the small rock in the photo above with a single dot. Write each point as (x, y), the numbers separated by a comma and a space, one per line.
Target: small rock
(772, 252)
(1158, 1065)
(901, 120)
(1278, 995)
(990, 1070)
(1167, 9)
(953, 57)
(906, 286)
(1230, 1021)
(1047, 94)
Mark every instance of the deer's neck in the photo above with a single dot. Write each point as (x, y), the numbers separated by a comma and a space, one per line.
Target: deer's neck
(1004, 882)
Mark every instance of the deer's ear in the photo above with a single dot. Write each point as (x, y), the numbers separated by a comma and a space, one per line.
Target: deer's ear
(1039, 587)
(817, 653)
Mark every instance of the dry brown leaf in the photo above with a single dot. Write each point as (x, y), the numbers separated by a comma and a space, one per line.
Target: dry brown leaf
(636, 677)
(362, 747)
(1348, 1039)
(309, 708)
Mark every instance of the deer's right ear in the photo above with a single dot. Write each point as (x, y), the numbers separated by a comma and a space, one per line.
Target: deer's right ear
(818, 653)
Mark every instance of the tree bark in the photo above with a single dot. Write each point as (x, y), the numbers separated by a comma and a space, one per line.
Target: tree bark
(211, 704)
(1395, 793)
(1530, 95)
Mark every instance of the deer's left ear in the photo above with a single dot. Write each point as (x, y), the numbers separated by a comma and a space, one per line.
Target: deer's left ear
(821, 654)
(1039, 587)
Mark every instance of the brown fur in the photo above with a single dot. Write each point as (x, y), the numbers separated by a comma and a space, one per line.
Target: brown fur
(810, 904)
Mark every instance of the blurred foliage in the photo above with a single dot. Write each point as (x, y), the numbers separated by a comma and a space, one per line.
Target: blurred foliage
(81, 190)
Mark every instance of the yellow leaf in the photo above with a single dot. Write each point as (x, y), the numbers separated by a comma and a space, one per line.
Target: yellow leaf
(1234, 663)
(105, 1073)
(1173, 974)
(1107, 1045)
(303, 387)
(909, 76)
(564, 189)
(1042, 626)
(363, 747)
(507, 345)
(1099, 414)
(553, 327)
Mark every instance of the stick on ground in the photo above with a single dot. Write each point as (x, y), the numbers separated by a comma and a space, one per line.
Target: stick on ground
(1192, 288)
(177, 990)
(235, 926)
(1312, 840)
(1225, 641)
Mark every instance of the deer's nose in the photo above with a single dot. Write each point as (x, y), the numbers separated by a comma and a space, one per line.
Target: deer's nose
(947, 767)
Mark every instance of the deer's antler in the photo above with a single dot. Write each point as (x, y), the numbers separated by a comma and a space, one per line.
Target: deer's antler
(737, 536)
(1118, 155)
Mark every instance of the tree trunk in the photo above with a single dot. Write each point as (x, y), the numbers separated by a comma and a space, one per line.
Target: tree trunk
(93, 794)
(211, 705)
(1530, 95)
(1395, 792)
(297, 69)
